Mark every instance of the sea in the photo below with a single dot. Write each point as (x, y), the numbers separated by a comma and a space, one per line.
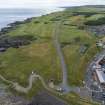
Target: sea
(10, 15)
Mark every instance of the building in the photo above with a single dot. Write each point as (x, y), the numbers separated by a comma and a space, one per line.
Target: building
(101, 76)
(99, 73)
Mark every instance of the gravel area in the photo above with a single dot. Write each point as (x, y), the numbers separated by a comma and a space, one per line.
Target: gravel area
(45, 98)
(6, 98)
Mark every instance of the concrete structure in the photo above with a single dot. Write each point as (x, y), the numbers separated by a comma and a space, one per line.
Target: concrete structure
(101, 43)
(99, 72)
(101, 76)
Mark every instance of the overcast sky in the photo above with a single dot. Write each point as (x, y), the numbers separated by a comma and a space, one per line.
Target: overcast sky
(46, 3)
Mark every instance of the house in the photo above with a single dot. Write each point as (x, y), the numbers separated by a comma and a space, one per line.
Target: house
(99, 43)
(101, 76)
(99, 70)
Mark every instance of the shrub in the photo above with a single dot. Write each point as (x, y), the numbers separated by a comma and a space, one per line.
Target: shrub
(99, 21)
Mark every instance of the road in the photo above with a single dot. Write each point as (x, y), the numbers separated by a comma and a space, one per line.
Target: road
(65, 86)
(31, 79)
(22, 89)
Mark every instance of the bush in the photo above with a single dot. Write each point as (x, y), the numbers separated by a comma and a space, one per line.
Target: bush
(99, 21)
(16, 41)
(86, 14)
(46, 22)
(56, 19)
(36, 22)
(77, 39)
(82, 27)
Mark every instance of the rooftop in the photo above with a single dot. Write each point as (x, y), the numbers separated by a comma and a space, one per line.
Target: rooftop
(101, 75)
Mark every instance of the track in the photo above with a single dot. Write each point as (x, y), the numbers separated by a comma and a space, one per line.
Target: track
(57, 45)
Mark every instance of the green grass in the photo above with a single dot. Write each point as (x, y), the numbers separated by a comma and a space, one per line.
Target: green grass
(71, 32)
(96, 17)
(77, 62)
(39, 30)
(17, 64)
(41, 56)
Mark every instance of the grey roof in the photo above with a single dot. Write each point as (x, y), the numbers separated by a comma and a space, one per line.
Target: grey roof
(101, 75)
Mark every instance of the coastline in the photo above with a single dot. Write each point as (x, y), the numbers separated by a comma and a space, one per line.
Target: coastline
(9, 97)
(44, 12)
(19, 31)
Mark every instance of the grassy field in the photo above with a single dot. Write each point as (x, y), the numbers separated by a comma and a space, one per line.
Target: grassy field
(77, 61)
(17, 64)
(41, 56)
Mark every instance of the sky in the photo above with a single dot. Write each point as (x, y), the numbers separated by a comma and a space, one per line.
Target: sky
(46, 3)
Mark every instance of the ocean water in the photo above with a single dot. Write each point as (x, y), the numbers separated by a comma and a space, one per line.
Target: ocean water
(11, 15)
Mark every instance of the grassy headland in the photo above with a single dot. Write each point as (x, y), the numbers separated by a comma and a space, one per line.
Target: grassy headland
(78, 46)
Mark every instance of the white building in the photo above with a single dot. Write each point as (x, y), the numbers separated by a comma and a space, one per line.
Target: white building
(100, 75)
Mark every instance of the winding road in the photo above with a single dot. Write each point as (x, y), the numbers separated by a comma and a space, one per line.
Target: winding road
(22, 89)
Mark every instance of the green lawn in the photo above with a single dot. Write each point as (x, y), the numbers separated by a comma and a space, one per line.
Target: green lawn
(76, 61)
(17, 64)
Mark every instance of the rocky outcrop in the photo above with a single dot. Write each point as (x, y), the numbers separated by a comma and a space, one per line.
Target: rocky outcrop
(15, 42)
(6, 98)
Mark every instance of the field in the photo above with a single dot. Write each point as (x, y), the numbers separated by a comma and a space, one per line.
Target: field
(78, 46)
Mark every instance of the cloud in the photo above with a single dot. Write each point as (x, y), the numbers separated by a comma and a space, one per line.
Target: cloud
(46, 3)
(80, 2)
(26, 3)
